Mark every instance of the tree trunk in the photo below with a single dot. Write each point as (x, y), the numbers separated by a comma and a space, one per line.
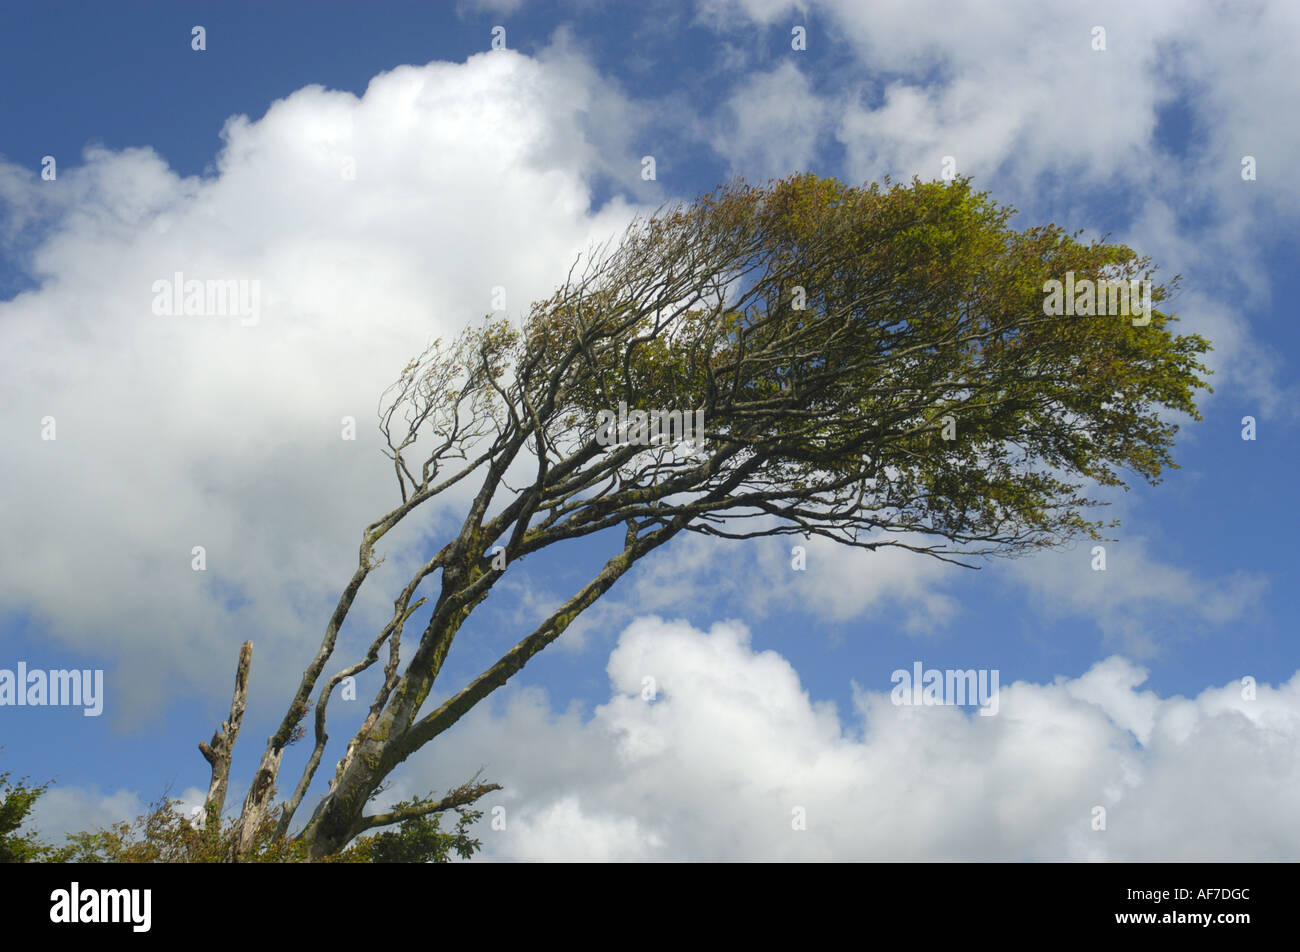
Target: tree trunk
(338, 818)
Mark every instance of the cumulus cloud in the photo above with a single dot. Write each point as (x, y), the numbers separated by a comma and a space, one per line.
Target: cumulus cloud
(715, 766)
(708, 750)
(370, 226)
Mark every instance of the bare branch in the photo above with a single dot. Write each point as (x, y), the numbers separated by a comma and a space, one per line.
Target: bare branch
(219, 750)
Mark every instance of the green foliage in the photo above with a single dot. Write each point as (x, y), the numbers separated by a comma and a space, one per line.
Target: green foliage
(16, 801)
(921, 303)
(165, 835)
(419, 840)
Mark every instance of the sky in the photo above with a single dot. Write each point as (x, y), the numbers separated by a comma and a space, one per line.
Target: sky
(383, 171)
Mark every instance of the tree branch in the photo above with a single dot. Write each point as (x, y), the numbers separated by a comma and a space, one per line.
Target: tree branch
(219, 750)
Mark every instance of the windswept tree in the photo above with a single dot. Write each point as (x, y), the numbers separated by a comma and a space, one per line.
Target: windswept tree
(873, 365)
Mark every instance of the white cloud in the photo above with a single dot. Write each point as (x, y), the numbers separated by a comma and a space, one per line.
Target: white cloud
(63, 810)
(174, 432)
(774, 124)
(1137, 597)
(564, 829)
(713, 769)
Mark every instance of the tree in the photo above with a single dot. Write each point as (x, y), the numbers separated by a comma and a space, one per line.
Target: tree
(872, 365)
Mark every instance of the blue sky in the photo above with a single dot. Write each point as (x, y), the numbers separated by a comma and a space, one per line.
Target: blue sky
(477, 169)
